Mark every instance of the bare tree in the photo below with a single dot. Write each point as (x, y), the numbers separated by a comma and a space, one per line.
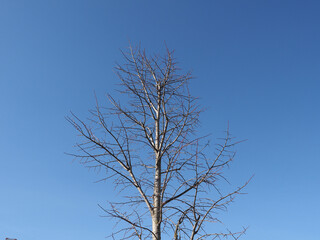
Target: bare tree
(149, 147)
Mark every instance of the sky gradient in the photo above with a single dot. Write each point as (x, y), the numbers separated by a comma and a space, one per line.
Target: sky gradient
(256, 64)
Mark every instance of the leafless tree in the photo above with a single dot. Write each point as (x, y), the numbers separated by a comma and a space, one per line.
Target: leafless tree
(149, 147)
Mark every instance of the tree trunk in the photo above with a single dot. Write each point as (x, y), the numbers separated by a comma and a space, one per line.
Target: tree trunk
(156, 218)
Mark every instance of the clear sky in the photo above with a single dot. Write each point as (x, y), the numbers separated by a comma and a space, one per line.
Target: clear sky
(256, 63)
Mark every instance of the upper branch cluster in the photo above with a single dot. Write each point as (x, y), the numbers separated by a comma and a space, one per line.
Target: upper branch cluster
(153, 134)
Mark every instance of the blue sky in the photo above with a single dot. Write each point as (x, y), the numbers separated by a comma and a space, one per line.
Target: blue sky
(256, 64)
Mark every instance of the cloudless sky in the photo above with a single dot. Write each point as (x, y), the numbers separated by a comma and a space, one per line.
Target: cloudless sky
(256, 64)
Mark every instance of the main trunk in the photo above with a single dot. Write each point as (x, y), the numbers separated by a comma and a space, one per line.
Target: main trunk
(156, 216)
